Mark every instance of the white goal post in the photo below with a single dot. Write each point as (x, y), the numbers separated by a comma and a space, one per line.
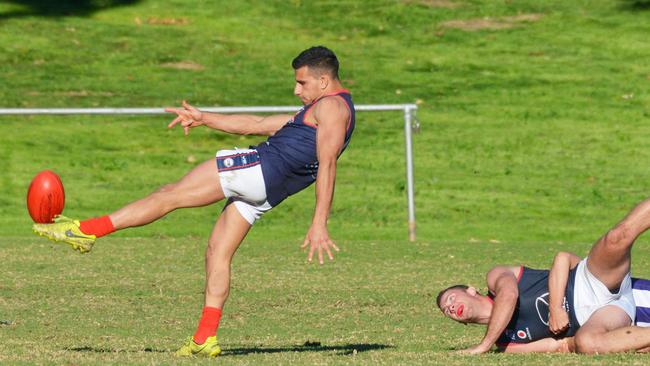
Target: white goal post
(410, 122)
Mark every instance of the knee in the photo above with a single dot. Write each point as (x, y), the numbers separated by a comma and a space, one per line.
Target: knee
(618, 237)
(167, 195)
(587, 343)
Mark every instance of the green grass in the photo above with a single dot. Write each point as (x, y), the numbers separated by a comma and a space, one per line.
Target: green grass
(533, 139)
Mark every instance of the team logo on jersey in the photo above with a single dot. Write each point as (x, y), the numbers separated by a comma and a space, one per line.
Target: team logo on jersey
(228, 162)
(541, 304)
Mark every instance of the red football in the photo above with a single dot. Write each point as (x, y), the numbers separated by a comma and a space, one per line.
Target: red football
(45, 197)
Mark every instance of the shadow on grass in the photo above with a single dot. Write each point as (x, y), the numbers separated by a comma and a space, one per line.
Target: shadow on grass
(346, 349)
(110, 350)
(60, 8)
(635, 5)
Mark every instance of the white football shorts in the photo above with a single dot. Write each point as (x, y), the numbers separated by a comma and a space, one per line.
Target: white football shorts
(589, 294)
(240, 173)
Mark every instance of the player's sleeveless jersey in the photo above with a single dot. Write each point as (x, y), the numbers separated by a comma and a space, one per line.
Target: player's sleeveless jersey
(289, 161)
(529, 322)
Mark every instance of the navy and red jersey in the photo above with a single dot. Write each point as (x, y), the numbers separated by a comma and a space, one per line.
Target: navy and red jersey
(529, 321)
(289, 161)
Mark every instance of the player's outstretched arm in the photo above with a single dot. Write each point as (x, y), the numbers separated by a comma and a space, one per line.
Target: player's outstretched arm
(503, 284)
(331, 116)
(189, 116)
(558, 319)
(545, 345)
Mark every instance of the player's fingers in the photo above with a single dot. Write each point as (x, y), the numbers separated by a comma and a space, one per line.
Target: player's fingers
(174, 122)
(311, 253)
(333, 245)
(187, 130)
(329, 252)
(304, 243)
(172, 110)
(320, 254)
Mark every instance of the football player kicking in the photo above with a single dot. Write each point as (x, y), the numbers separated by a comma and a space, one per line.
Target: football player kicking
(301, 149)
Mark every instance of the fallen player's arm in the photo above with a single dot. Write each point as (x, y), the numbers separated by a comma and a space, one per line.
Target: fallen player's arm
(558, 319)
(242, 124)
(503, 284)
(546, 345)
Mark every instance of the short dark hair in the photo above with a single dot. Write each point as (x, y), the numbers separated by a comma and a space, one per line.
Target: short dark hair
(461, 287)
(319, 58)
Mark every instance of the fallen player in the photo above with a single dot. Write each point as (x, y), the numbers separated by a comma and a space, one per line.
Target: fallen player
(599, 303)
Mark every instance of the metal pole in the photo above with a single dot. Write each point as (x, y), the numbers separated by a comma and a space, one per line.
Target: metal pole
(409, 172)
(253, 109)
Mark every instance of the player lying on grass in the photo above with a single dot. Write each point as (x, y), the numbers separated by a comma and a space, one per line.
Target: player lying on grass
(301, 149)
(561, 319)
(599, 300)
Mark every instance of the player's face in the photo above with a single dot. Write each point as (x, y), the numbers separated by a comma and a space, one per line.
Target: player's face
(309, 86)
(458, 304)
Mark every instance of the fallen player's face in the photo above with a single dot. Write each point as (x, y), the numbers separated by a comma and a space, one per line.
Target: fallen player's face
(308, 86)
(457, 304)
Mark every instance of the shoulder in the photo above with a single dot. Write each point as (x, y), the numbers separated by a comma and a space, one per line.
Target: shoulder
(505, 271)
(501, 273)
(333, 105)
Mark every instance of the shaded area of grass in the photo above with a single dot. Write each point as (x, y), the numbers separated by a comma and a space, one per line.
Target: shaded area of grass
(44, 8)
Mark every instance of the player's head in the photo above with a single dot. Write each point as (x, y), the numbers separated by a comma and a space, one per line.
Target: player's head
(460, 303)
(319, 60)
(317, 68)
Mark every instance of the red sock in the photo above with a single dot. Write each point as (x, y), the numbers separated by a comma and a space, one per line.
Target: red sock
(98, 226)
(208, 324)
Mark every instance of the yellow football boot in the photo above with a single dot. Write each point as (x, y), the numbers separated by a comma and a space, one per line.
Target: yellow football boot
(210, 348)
(66, 230)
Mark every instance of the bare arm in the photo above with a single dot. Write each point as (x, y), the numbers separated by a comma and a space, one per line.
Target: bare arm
(503, 283)
(545, 345)
(241, 124)
(558, 319)
(331, 115)
(246, 124)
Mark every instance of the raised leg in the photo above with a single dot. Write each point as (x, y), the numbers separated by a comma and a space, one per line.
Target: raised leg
(199, 187)
(228, 233)
(609, 258)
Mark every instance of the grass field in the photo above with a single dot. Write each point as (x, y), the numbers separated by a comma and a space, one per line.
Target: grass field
(533, 139)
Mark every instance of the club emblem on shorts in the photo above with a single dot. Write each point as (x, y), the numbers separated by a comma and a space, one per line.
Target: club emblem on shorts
(228, 162)
(521, 334)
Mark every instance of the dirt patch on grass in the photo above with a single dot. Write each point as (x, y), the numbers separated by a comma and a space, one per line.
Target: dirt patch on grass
(488, 23)
(184, 65)
(445, 4)
(161, 21)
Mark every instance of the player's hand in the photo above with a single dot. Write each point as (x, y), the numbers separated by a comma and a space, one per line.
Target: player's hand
(318, 239)
(558, 320)
(188, 117)
(475, 350)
